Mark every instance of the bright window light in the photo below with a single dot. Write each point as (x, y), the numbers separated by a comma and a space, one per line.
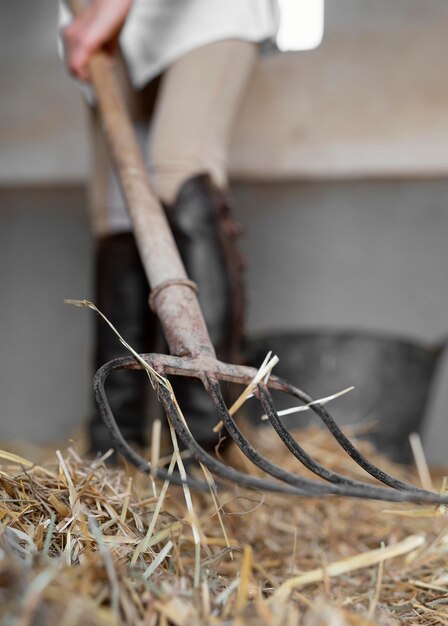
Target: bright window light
(301, 24)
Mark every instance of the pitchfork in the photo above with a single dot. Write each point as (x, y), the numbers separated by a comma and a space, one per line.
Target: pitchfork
(174, 299)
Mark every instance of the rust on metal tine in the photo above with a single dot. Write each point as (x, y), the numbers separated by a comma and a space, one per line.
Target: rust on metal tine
(197, 451)
(213, 464)
(333, 477)
(294, 447)
(342, 440)
(289, 483)
(351, 488)
(120, 442)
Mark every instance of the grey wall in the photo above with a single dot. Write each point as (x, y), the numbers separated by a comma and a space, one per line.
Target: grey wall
(369, 254)
(45, 254)
(365, 255)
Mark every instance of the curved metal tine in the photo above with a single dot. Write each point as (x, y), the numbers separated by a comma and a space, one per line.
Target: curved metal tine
(198, 452)
(218, 468)
(355, 489)
(309, 489)
(120, 442)
(333, 477)
(225, 471)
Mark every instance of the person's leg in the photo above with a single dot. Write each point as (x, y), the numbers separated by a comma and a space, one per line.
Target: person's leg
(121, 293)
(192, 127)
(194, 117)
(120, 284)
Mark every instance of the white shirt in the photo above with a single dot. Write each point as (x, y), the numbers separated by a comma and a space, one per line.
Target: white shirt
(157, 32)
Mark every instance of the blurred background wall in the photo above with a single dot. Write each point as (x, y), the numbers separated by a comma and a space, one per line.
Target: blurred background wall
(339, 168)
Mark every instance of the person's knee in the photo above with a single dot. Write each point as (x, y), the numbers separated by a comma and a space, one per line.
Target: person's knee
(169, 171)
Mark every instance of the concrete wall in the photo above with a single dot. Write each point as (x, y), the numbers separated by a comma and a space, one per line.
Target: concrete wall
(45, 256)
(353, 255)
(365, 255)
(368, 102)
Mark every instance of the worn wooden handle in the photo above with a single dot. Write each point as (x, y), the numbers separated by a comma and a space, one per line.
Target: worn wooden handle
(154, 238)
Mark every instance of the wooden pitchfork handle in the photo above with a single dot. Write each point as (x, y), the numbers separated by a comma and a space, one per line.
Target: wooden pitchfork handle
(173, 296)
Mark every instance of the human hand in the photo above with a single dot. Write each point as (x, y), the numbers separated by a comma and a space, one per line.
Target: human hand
(97, 28)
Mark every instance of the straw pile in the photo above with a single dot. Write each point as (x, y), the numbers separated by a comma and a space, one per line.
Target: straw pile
(83, 543)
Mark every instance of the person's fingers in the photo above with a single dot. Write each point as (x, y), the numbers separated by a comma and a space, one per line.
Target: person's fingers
(77, 52)
(79, 57)
(98, 27)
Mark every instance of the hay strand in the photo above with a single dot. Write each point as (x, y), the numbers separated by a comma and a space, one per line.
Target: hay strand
(350, 564)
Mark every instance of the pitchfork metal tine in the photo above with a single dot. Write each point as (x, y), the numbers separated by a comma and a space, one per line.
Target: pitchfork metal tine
(198, 452)
(318, 469)
(351, 488)
(120, 442)
(290, 483)
(294, 484)
(336, 432)
(217, 467)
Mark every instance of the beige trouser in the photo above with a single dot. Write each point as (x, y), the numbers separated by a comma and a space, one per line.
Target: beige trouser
(184, 123)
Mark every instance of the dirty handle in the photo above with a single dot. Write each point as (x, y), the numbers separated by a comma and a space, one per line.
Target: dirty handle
(155, 241)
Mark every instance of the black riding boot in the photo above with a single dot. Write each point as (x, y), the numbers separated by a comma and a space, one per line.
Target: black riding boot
(121, 293)
(205, 232)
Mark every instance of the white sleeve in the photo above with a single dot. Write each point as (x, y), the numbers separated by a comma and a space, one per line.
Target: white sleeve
(301, 24)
